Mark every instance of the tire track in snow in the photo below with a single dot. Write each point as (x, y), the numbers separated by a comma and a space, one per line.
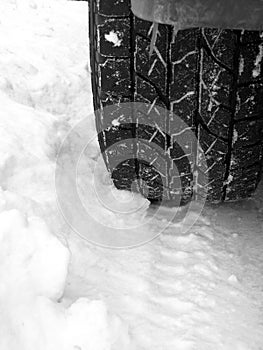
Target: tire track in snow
(178, 273)
(175, 292)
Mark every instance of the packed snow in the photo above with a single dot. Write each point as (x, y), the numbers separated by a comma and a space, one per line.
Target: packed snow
(198, 285)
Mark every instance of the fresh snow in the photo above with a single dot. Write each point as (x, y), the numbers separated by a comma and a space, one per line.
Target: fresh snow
(197, 286)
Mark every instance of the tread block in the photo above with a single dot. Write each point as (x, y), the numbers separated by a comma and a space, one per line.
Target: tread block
(153, 68)
(146, 93)
(222, 44)
(183, 108)
(183, 75)
(151, 135)
(216, 118)
(114, 135)
(242, 182)
(143, 28)
(184, 63)
(251, 36)
(248, 133)
(115, 77)
(114, 38)
(245, 157)
(217, 81)
(118, 114)
(124, 175)
(180, 186)
(113, 7)
(151, 182)
(251, 63)
(179, 48)
(215, 151)
(250, 102)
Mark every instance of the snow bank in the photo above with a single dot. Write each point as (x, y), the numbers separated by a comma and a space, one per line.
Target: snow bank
(33, 261)
(44, 53)
(44, 88)
(34, 265)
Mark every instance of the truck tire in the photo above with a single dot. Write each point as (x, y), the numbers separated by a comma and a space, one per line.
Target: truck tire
(211, 78)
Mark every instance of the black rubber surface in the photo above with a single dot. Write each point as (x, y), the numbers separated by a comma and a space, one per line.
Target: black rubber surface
(212, 79)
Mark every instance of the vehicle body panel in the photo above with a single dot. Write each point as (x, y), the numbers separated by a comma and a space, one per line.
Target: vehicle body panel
(183, 14)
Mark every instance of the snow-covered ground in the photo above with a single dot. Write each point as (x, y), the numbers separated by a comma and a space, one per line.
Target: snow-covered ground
(199, 289)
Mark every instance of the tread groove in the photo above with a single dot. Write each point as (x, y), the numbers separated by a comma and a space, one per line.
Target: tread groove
(197, 112)
(162, 97)
(233, 103)
(210, 52)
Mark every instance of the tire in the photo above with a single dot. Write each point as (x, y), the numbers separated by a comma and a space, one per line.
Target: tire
(212, 79)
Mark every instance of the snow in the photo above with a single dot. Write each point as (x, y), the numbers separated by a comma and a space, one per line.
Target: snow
(257, 69)
(197, 285)
(241, 65)
(113, 37)
(229, 180)
(34, 266)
